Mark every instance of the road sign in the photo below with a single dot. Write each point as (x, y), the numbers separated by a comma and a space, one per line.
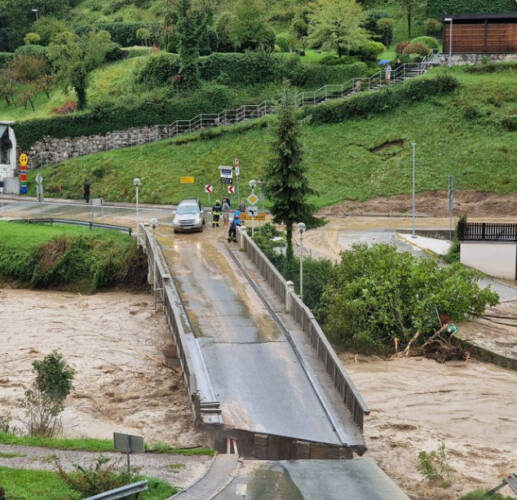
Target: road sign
(209, 188)
(187, 180)
(39, 179)
(24, 160)
(231, 190)
(253, 199)
(253, 210)
(259, 216)
(226, 174)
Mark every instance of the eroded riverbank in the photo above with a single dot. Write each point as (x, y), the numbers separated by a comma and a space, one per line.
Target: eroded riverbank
(114, 341)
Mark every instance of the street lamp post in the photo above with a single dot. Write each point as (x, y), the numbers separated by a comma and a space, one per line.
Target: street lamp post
(449, 20)
(136, 182)
(36, 12)
(301, 229)
(413, 146)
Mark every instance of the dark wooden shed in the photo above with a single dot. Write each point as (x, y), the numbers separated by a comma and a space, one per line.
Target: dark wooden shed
(481, 33)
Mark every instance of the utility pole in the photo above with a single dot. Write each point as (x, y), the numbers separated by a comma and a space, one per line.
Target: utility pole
(136, 182)
(449, 19)
(413, 146)
(301, 229)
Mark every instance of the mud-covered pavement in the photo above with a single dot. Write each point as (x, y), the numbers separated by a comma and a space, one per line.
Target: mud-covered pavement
(114, 341)
(418, 403)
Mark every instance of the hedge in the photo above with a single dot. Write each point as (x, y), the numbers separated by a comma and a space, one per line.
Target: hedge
(251, 68)
(5, 57)
(491, 67)
(123, 33)
(380, 102)
(440, 8)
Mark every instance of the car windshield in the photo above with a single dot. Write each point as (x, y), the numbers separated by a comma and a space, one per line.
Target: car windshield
(188, 209)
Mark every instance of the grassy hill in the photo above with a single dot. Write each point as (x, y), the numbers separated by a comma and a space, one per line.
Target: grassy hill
(358, 159)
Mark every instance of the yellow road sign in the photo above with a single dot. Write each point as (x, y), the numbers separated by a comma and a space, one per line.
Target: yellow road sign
(24, 159)
(187, 180)
(247, 216)
(253, 199)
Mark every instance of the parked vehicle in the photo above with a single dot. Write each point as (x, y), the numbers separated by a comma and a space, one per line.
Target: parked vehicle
(189, 216)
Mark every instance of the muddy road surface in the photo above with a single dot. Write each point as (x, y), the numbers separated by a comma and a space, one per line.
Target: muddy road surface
(114, 341)
(418, 403)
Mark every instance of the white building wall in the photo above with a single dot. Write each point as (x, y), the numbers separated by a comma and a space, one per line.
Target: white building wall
(9, 169)
(497, 259)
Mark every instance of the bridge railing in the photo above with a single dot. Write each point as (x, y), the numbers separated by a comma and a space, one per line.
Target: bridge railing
(304, 317)
(205, 407)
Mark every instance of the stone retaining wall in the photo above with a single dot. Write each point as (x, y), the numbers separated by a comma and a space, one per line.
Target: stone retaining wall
(51, 150)
(460, 59)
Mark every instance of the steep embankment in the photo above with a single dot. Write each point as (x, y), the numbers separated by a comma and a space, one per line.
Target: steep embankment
(459, 134)
(72, 258)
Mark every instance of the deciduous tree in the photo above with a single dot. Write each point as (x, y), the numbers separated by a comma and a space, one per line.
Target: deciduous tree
(337, 24)
(74, 57)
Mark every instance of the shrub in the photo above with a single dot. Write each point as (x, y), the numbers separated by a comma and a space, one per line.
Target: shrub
(377, 293)
(116, 54)
(417, 48)
(369, 50)
(435, 465)
(48, 27)
(399, 49)
(137, 51)
(66, 108)
(283, 43)
(380, 102)
(433, 27)
(315, 75)
(510, 123)
(333, 60)
(491, 67)
(440, 8)
(428, 41)
(472, 113)
(5, 57)
(158, 70)
(31, 39)
(31, 50)
(124, 33)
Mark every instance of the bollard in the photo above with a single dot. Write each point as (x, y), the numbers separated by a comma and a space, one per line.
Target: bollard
(240, 237)
(289, 292)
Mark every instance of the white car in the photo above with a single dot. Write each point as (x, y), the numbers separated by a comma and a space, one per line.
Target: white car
(189, 216)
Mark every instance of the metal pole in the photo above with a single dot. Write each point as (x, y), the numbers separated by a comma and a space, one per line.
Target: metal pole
(301, 265)
(128, 464)
(413, 145)
(450, 45)
(137, 214)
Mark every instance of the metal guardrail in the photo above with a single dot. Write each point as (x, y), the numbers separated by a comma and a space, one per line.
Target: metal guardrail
(304, 317)
(205, 407)
(253, 111)
(487, 231)
(133, 489)
(75, 222)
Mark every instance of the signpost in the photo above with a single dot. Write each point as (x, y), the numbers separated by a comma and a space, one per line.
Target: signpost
(188, 179)
(253, 199)
(126, 443)
(451, 204)
(231, 190)
(24, 160)
(226, 174)
(209, 189)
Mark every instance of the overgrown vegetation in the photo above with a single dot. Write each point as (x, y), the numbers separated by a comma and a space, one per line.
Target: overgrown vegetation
(74, 258)
(376, 295)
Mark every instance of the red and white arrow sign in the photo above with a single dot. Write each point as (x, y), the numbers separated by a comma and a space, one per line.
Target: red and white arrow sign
(209, 188)
(231, 190)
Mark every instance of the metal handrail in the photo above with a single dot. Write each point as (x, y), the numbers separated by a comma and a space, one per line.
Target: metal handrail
(122, 492)
(75, 222)
(240, 114)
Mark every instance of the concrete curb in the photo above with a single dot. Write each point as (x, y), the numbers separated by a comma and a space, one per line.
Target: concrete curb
(409, 241)
(210, 465)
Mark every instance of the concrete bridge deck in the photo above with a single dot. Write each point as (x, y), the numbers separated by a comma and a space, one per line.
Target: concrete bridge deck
(255, 373)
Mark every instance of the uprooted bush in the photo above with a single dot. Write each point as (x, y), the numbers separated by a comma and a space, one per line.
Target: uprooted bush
(377, 294)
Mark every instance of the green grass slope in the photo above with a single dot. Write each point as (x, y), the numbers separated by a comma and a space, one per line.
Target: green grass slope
(458, 135)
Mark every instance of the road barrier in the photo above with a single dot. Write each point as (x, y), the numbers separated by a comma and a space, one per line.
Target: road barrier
(75, 222)
(205, 407)
(131, 490)
(304, 317)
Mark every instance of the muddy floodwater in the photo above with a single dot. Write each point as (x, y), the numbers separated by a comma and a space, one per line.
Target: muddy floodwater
(115, 342)
(418, 403)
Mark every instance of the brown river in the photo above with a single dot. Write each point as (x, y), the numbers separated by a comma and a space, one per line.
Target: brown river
(114, 341)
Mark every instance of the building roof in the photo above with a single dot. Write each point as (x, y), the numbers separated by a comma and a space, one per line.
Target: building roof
(509, 16)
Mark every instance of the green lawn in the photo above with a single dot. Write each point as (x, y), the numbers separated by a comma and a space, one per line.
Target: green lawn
(95, 445)
(29, 484)
(479, 153)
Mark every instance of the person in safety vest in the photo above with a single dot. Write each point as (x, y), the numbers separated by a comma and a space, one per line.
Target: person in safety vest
(216, 213)
(232, 233)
